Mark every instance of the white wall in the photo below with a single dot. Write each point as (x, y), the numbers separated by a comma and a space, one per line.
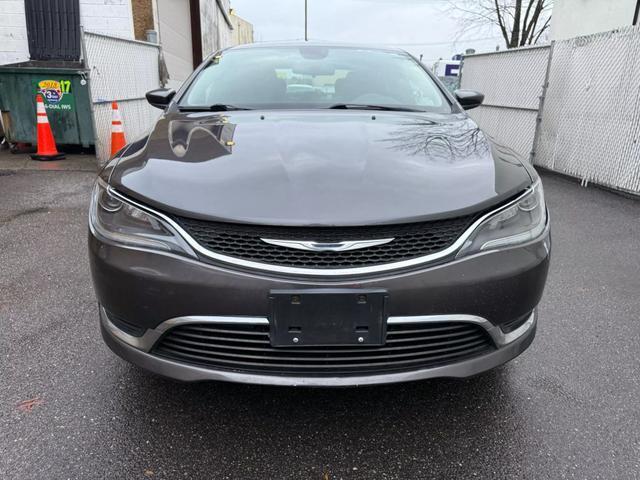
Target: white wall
(574, 18)
(13, 32)
(112, 17)
(174, 30)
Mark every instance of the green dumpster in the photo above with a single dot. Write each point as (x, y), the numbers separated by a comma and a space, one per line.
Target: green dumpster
(65, 89)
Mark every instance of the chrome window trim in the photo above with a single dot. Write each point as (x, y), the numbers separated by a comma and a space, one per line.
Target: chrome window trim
(151, 336)
(314, 271)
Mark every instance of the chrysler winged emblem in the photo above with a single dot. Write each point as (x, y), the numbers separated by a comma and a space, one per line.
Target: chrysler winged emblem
(327, 246)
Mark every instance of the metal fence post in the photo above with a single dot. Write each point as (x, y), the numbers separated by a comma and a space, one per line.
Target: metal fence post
(543, 96)
(87, 68)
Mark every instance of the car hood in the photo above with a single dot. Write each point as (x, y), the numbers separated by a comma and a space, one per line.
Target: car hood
(318, 168)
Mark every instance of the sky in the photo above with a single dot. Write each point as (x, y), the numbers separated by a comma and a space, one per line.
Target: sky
(424, 27)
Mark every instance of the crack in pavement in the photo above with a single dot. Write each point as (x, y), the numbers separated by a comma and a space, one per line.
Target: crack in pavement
(22, 213)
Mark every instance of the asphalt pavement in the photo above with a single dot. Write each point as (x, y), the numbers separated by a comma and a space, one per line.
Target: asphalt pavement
(569, 407)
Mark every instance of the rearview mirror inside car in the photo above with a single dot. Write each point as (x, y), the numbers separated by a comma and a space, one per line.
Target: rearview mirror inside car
(469, 99)
(160, 97)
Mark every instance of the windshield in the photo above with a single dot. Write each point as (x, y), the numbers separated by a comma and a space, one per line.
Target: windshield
(314, 77)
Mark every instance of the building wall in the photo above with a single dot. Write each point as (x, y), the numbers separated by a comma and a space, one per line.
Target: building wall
(114, 17)
(242, 30)
(174, 30)
(13, 32)
(574, 18)
(111, 17)
(216, 31)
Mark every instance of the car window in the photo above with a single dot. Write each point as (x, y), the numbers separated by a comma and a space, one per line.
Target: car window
(314, 77)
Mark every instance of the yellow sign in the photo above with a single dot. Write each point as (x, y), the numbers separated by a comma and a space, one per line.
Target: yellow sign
(50, 84)
(54, 90)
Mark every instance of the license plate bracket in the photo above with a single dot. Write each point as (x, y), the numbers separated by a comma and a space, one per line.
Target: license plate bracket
(327, 317)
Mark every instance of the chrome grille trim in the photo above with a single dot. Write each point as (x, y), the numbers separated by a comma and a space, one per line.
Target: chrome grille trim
(334, 272)
(327, 247)
(247, 241)
(151, 336)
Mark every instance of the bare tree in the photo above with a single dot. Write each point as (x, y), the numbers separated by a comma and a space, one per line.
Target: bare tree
(521, 22)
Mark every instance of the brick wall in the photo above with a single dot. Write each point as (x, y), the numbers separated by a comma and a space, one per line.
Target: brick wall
(142, 17)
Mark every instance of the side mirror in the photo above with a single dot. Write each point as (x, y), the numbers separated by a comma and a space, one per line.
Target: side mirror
(469, 99)
(160, 97)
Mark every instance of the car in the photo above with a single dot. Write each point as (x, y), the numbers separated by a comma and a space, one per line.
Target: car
(368, 236)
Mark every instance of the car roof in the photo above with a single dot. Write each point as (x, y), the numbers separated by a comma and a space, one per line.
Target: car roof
(302, 43)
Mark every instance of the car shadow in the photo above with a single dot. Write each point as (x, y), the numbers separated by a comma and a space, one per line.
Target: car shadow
(224, 423)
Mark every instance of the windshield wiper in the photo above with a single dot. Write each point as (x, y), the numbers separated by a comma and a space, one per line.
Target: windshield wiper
(216, 107)
(358, 106)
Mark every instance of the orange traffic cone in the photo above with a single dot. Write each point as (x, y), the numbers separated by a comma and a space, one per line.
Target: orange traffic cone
(117, 130)
(46, 144)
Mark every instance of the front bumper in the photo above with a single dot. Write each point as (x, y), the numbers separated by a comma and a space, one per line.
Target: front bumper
(152, 291)
(134, 350)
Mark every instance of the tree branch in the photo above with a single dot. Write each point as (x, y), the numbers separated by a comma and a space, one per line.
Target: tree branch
(517, 20)
(525, 24)
(535, 18)
(515, 32)
(501, 23)
(544, 27)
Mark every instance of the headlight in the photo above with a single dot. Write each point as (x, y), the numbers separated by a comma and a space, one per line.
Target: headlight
(119, 222)
(523, 221)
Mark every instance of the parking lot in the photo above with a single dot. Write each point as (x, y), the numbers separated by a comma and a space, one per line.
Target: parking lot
(567, 408)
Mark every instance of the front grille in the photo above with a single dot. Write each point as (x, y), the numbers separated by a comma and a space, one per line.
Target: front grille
(246, 348)
(242, 241)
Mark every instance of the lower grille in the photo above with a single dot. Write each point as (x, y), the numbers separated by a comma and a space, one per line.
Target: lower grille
(246, 348)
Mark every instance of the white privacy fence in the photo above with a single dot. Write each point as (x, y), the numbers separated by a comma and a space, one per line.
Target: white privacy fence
(511, 81)
(588, 116)
(591, 115)
(122, 70)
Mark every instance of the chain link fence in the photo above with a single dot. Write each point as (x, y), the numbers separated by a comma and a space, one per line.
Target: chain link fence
(122, 70)
(573, 106)
(587, 124)
(590, 125)
(511, 81)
